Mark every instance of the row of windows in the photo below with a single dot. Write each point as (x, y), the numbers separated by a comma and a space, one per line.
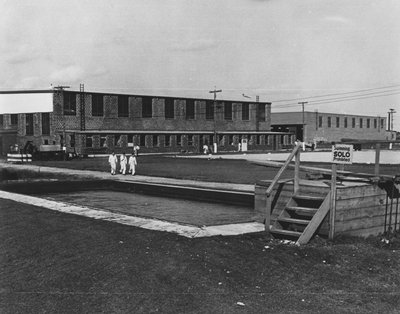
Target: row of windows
(13, 119)
(29, 127)
(167, 140)
(345, 123)
(169, 107)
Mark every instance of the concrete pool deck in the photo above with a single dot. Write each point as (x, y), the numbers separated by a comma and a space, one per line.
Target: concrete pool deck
(140, 222)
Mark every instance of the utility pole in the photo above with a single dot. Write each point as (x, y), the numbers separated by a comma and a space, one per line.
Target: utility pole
(82, 103)
(391, 112)
(215, 91)
(302, 103)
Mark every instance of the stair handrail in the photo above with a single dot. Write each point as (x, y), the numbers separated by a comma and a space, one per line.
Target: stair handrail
(295, 152)
(282, 170)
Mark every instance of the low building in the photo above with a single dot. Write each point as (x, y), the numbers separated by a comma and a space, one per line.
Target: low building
(96, 123)
(329, 127)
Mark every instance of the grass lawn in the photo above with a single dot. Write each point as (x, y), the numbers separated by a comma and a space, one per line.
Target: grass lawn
(52, 262)
(216, 170)
(59, 263)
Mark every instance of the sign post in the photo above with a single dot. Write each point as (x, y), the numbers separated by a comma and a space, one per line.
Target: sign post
(341, 154)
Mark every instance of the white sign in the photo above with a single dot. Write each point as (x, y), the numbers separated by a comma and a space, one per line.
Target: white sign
(342, 154)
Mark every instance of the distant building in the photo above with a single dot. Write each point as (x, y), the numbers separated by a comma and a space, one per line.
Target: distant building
(391, 135)
(97, 123)
(329, 127)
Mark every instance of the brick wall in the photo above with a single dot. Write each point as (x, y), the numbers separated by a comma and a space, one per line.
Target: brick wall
(324, 133)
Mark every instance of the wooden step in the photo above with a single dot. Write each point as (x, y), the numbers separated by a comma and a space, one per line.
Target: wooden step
(309, 197)
(285, 233)
(294, 220)
(302, 211)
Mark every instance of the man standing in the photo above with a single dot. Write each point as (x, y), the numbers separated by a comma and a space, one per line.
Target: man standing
(136, 150)
(132, 164)
(123, 161)
(112, 160)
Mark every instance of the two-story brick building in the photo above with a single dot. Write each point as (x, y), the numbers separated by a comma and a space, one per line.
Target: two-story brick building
(94, 123)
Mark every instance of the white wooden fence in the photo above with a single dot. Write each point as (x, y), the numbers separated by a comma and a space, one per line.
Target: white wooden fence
(19, 158)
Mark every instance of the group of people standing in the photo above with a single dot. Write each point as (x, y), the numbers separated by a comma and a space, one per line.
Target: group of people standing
(124, 161)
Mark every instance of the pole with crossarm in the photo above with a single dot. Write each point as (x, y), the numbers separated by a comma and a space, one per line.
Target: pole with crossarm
(215, 91)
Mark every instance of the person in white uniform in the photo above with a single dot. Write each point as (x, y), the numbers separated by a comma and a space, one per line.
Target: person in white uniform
(112, 160)
(123, 162)
(132, 164)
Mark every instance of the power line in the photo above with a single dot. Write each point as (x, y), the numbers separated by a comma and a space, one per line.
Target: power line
(335, 94)
(341, 99)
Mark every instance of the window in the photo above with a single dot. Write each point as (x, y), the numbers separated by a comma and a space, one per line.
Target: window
(169, 108)
(320, 121)
(179, 140)
(1, 120)
(258, 139)
(147, 107)
(103, 140)
(189, 109)
(72, 140)
(89, 140)
(14, 119)
(345, 122)
(261, 112)
(142, 139)
(130, 140)
(29, 123)
(123, 106)
(329, 122)
(245, 112)
(155, 140)
(167, 140)
(190, 140)
(228, 111)
(375, 123)
(338, 122)
(97, 105)
(118, 140)
(368, 123)
(361, 123)
(230, 139)
(382, 123)
(221, 141)
(45, 123)
(353, 122)
(209, 110)
(69, 106)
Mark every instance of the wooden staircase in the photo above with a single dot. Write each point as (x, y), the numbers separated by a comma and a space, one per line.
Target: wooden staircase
(301, 217)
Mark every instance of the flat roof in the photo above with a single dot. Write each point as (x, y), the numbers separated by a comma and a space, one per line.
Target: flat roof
(299, 113)
(55, 90)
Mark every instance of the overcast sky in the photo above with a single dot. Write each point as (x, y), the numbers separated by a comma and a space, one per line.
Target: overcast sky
(285, 51)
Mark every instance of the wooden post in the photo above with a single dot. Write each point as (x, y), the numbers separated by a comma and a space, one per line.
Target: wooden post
(296, 183)
(268, 213)
(377, 156)
(332, 205)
